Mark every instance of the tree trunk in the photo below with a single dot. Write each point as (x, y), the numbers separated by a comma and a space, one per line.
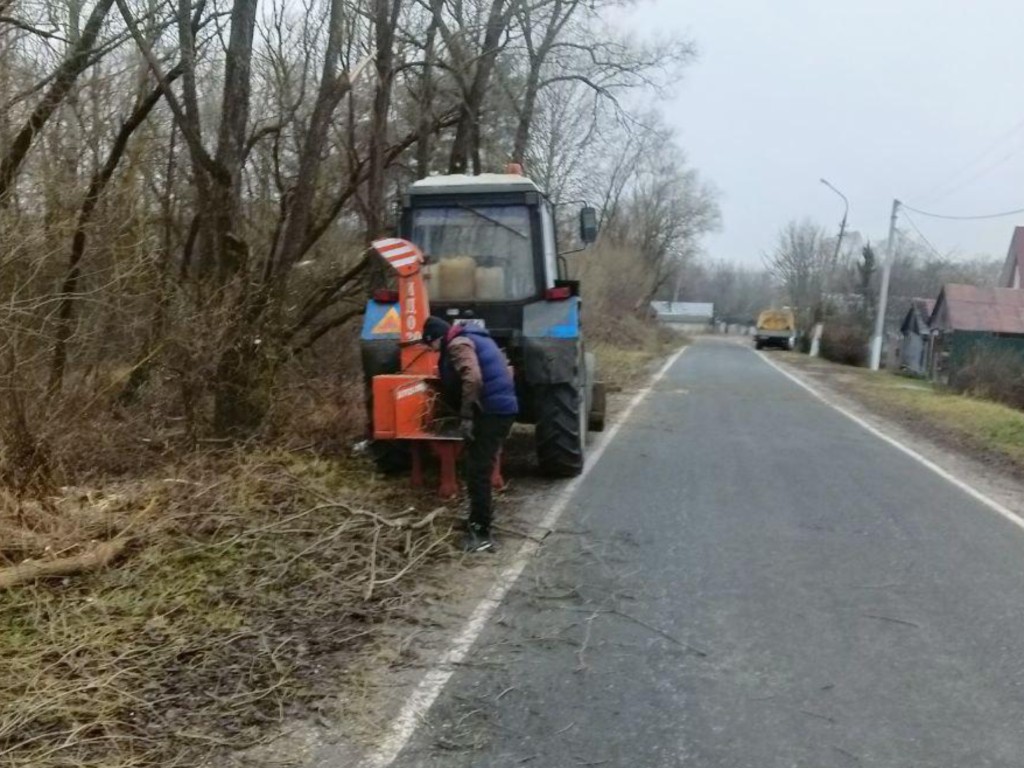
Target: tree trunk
(526, 112)
(425, 144)
(241, 395)
(466, 145)
(5, 83)
(228, 249)
(560, 13)
(299, 213)
(385, 19)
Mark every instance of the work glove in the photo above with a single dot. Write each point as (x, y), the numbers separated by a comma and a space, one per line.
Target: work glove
(466, 430)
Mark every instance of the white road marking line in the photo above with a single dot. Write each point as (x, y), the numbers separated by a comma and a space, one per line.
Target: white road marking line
(430, 687)
(974, 493)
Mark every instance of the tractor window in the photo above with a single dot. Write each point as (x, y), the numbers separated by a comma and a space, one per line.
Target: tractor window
(479, 252)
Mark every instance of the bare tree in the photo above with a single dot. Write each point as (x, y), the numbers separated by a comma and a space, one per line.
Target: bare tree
(426, 92)
(224, 245)
(78, 58)
(659, 207)
(473, 47)
(564, 42)
(549, 20)
(866, 269)
(802, 261)
(335, 84)
(385, 19)
(97, 184)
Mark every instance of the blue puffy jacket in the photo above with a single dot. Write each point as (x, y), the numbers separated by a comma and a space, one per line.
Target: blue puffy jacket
(498, 393)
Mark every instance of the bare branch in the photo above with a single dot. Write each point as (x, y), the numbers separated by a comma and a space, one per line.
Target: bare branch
(72, 66)
(32, 30)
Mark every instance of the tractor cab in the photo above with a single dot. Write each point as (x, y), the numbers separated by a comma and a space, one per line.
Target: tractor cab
(490, 246)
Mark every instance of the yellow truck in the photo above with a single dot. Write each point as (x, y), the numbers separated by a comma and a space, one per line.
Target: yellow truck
(775, 328)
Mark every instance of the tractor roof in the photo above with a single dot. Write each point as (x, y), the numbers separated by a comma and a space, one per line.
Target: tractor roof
(461, 183)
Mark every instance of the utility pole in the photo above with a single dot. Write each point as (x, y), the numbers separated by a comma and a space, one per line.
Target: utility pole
(883, 293)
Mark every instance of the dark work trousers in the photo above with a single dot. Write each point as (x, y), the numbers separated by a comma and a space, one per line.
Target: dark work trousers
(489, 433)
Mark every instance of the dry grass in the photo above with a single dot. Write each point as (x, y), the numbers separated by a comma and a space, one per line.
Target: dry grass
(246, 574)
(624, 362)
(615, 284)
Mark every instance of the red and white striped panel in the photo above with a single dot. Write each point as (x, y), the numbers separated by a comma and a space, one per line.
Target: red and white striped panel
(398, 253)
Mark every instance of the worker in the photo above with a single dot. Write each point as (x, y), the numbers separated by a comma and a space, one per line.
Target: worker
(477, 385)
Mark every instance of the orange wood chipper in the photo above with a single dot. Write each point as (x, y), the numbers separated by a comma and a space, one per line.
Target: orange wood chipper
(407, 406)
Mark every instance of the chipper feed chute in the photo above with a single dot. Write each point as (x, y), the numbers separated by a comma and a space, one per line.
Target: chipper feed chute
(404, 404)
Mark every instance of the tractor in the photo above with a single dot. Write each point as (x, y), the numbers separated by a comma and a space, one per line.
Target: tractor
(490, 244)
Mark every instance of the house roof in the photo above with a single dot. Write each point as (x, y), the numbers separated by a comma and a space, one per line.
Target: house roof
(970, 308)
(921, 311)
(1014, 258)
(694, 309)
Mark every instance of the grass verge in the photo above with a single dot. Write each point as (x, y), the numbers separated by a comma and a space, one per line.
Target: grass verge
(624, 362)
(982, 427)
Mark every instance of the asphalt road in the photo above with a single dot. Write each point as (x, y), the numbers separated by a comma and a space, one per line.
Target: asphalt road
(747, 578)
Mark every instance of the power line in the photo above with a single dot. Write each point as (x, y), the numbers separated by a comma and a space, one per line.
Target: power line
(981, 173)
(963, 218)
(956, 176)
(921, 234)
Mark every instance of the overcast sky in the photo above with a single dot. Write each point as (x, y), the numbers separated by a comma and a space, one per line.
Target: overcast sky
(915, 99)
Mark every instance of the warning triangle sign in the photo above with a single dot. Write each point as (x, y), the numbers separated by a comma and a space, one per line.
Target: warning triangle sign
(390, 323)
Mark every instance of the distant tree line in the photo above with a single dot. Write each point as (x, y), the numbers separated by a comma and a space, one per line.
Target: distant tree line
(803, 270)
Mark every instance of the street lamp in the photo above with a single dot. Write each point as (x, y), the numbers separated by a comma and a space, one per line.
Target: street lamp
(832, 264)
(842, 224)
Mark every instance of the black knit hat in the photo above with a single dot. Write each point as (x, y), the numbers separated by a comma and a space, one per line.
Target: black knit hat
(435, 328)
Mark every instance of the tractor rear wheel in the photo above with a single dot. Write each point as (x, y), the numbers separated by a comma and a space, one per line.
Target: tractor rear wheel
(561, 434)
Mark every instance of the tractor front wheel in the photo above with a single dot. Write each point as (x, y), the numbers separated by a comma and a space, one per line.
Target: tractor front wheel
(561, 434)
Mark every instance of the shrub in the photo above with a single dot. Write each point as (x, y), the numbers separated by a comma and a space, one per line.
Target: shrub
(844, 343)
(994, 374)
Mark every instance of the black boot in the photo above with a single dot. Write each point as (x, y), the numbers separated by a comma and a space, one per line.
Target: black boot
(478, 539)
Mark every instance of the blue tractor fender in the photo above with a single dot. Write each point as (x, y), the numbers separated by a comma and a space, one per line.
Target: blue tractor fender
(552, 342)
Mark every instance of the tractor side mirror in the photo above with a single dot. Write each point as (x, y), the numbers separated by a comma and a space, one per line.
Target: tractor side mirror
(588, 224)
